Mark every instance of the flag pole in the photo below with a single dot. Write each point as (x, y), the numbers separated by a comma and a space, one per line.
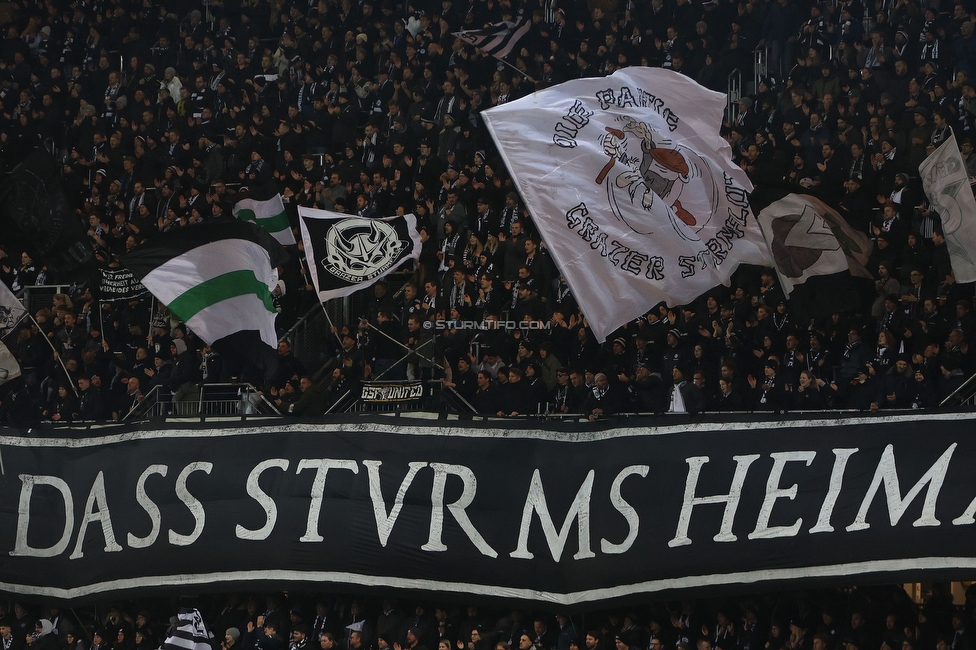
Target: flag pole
(409, 350)
(57, 355)
(332, 328)
(101, 319)
(514, 68)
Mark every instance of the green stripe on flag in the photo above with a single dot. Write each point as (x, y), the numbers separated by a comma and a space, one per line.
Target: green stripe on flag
(223, 287)
(272, 224)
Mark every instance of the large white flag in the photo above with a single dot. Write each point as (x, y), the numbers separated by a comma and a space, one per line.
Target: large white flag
(11, 310)
(946, 184)
(9, 368)
(632, 187)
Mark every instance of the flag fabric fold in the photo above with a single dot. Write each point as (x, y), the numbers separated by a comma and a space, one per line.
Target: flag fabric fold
(946, 185)
(346, 253)
(217, 277)
(269, 214)
(632, 188)
(190, 634)
(498, 40)
(11, 310)
(808, 238)
(9, 368)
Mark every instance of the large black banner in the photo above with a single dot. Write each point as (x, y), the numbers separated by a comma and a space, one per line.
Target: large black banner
(567, 516)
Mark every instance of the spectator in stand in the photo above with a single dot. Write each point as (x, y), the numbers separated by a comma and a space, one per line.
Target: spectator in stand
(376, 109)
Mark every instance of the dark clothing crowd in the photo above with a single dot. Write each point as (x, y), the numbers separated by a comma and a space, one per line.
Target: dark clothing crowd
(163, 115)
(879, 618)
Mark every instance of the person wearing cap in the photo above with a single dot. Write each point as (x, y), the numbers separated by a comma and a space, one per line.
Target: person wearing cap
(231, 641)
(747, 117)
(604, 399)
(895, 386)
(686, 396)
(828, 83)
(770, 394)
(486, 222)
(527, 303)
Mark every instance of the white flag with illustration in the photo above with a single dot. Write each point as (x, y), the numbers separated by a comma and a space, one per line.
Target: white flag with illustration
(11, 310)
(632, 188)
(9, 368)
(946, 184)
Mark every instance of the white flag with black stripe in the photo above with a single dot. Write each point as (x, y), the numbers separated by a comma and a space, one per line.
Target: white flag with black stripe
(191, 634)
(499, 39)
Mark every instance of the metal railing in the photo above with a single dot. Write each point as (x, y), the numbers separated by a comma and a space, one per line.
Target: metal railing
(965, 395)
(311, 338)
(203, 400)
(39, 296)
(760, 66)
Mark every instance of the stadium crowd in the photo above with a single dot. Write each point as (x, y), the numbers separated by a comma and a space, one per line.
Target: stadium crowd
(163, 113)
(880, 618)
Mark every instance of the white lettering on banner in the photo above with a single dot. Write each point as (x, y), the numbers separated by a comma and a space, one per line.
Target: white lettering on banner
(149, 506)
(266, 502)
(321, 467)
(392, 393)
(96, 498)
(774, 492)
(624, 508)
(192, 504)
(384, 521)
(457, 509)
(579, 510)
(841, 456)
(888, 474)
(28, 483)
(785, 483)
(731, 500)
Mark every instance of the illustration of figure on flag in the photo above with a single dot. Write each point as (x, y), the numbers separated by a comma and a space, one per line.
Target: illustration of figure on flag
(658, 170)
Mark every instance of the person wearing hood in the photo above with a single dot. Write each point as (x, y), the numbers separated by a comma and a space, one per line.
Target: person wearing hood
(43, 637)
(185, 366)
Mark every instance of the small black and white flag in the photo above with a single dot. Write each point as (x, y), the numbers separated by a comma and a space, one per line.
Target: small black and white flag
(808, 238)
(191, 634)
(498, 40)
(346, 253)
(11, 310)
